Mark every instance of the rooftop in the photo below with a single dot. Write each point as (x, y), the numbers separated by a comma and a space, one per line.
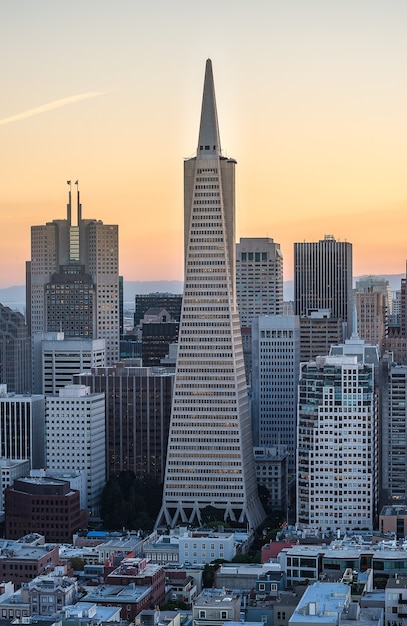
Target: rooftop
(117, 593)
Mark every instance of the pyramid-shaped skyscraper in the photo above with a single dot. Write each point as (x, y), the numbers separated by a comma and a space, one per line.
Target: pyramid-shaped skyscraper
(210, 454)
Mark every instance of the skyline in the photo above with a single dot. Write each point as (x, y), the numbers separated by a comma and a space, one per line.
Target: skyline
(311, 100)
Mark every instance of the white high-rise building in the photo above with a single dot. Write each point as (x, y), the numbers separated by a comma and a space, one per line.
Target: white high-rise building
(337, 444)
(57, 360)
(276, 366)
(259, 278)
(210, 452)
(22, 425)
(75, 437)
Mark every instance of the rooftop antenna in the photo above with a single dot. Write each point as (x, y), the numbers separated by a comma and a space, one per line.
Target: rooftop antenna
(79, 206)
(69, 205)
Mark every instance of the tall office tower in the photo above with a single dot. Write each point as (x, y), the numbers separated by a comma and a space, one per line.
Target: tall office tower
(156, 340)
(393, 404)
(57, 359)
(171, 302)
(323, 279)
(15, 351)
(259, 278)
(396, 308)
(138, 410)
(337, 444)
(276, 366)
(318, 332)
(75, 437)
(373, 300)
(73, 280)
(22, 426)
(210, 451)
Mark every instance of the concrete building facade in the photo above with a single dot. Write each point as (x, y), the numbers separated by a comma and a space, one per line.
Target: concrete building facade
(22, 427)
(210, 452)
(57, 359)
(259, 278)
(73, 279)
(276, 365)
(75, 437)
(337, 444)
(138, 410)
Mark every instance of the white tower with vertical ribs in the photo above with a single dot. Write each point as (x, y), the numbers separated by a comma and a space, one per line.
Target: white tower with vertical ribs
(210, 452)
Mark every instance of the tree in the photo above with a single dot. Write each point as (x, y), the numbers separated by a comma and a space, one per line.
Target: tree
(211, 515)
(128, 502)
(77, 563)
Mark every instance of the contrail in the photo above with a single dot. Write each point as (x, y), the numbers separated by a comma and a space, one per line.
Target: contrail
(51, 105)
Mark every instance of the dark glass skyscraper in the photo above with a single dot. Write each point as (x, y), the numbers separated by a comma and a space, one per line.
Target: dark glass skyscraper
(323, 279)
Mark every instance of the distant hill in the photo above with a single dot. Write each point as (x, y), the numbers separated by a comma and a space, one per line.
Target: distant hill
(394, 282)
(14, 297)
(133, 287)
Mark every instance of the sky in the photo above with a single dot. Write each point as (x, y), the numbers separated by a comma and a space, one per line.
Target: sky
(312, 104)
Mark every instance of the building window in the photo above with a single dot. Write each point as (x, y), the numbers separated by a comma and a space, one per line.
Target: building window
(202, 614)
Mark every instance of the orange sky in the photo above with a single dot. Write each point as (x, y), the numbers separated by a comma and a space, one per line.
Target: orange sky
(312, 101)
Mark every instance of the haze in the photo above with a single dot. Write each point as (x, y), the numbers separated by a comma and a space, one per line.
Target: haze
(312, 101)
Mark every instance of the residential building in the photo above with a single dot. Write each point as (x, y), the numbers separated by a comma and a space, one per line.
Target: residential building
(210, 452)
(47, 595)
(276, 366)
(182, 585)
(214, 607)
(21, 562)
(164, 550)
(75, 437)
(323, 279)
(120, 546)
(396, 600)
(131, 599)
(393, 520)
(337, 444)
(323, 603)
(81, 613)
(139, 572)
(73, 280)
(199, 547)
(244, 577)
(138, 409)
(259, 278)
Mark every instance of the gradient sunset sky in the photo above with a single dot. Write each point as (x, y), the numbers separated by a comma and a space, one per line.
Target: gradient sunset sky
(312, 103)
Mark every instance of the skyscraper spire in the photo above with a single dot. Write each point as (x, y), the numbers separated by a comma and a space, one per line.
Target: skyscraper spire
(209, 141)
(210, 453)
